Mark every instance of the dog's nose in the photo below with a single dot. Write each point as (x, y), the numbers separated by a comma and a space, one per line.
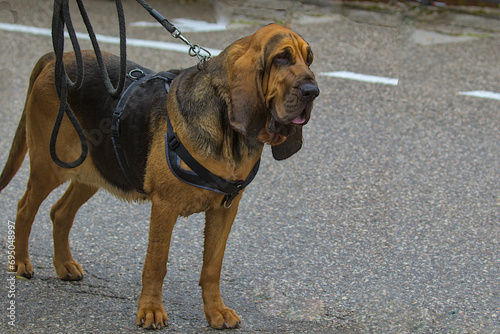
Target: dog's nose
(309, 91)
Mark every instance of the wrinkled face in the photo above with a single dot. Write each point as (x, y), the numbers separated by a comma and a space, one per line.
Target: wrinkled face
(272, 88)
(288, 83)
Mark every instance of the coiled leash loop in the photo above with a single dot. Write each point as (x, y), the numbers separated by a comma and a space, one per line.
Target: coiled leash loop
(61, 18)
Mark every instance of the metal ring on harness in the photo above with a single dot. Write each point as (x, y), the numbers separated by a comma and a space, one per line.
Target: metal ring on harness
(135, 77)
(227, 203)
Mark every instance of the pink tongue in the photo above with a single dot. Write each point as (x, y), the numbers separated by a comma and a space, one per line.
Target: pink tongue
(299, 119)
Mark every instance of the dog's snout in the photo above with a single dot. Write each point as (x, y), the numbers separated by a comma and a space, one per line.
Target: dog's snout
(309, 91)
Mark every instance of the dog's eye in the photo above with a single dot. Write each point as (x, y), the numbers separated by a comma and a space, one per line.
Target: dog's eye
(309, 58)
(283, 58)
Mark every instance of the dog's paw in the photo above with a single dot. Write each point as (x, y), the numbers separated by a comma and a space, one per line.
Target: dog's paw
(151, 315)
(69, 270)
(222, 318)
(22, 268)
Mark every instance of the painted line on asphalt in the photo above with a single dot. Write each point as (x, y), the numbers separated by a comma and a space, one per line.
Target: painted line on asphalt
(482, 94)
(176, 47)
(361, 77)
(394, 82)
(185, 25)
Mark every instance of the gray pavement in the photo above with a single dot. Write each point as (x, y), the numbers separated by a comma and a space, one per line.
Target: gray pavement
(387, 221)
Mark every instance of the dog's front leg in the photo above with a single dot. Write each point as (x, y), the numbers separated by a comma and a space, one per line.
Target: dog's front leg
(217, 227)
(151, 313)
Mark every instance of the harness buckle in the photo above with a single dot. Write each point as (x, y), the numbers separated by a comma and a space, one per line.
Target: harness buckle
(115, 123)
(174, 142)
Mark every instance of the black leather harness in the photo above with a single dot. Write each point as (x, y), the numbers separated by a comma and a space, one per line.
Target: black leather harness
(175, 151)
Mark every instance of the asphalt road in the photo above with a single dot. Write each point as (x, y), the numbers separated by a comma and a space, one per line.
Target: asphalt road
(387, 221)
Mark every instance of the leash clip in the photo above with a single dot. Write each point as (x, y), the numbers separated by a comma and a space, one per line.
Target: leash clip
(195, 50)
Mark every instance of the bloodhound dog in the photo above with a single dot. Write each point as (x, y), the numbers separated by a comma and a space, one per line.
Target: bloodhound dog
(259, 90)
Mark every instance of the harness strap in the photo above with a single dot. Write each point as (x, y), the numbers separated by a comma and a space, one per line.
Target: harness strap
(139, 78)
(200, 176)
(175, 151)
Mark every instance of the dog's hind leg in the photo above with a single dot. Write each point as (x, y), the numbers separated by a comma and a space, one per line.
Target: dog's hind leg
(40, 185)
(62, 215)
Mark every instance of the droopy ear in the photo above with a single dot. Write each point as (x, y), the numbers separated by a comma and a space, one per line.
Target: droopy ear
(290, 146)
(247, 112)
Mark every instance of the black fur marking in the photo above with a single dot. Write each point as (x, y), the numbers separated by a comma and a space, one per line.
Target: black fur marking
(272, 45)
(98, 107)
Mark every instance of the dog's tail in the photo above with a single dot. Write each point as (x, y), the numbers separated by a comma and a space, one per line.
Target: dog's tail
(19, 146)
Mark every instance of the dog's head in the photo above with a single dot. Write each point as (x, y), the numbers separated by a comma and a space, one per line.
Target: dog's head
(272, 88)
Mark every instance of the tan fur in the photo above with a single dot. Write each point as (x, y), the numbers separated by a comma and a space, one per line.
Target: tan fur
(233, 73)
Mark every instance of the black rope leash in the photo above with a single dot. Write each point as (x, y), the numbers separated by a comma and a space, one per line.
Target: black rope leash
(115, 92)
(61, 18)
(195, 50)
(61, 11)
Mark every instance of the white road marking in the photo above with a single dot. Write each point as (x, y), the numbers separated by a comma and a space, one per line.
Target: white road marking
(482, 94)
(361, 77)
(184, 25)
(176, 47)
